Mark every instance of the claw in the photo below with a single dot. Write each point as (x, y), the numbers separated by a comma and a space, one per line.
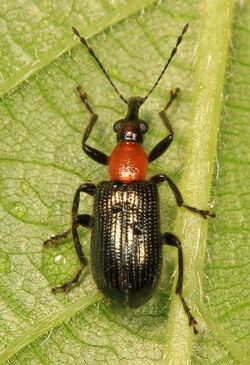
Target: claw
(60, 289)
(207, 213)
(193, 323)
(50, 242)
(174, 93)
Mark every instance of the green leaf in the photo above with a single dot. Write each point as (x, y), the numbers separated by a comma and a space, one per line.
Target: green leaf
(42, 164)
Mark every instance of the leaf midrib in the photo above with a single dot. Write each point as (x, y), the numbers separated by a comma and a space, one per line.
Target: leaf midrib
(8, 86)
(31, 334)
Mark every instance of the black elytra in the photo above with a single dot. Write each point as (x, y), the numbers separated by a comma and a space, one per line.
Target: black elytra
(126, 242)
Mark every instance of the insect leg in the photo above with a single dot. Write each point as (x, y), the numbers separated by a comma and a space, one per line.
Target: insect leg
(171, 240)
(93, 153)
(85, 220)
(163, 145)
(53, 239)
(159, 179)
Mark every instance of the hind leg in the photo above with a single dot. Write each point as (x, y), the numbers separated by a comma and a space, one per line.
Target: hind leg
(171, 240)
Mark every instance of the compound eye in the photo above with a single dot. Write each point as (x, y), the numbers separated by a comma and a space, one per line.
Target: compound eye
(143, 127)
(117, 126)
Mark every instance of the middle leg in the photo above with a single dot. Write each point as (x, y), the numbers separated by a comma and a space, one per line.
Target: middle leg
(87, 220)
(84, 220)
(159, 179)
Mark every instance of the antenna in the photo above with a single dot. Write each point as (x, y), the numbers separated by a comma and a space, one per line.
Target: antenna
(92, 53)
(174, 50)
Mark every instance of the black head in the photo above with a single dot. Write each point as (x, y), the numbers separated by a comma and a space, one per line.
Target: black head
(131, 128)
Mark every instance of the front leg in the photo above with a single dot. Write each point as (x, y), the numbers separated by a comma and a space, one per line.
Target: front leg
(159, 179)
(95, 154)
(163, 145)
(85, 220)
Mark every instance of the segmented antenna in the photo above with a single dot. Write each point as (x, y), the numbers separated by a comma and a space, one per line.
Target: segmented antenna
(174, 50)
(92, 53)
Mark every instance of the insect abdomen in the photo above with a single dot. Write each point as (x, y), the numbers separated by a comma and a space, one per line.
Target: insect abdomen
(126, 242)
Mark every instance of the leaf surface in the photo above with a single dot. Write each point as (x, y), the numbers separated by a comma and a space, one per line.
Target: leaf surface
(42, 164)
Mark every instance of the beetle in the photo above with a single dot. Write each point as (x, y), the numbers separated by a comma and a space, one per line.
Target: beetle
(126, 240)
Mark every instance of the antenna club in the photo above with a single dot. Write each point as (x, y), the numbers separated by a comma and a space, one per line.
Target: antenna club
(75, 31)
(83, 40)
(185, 28)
